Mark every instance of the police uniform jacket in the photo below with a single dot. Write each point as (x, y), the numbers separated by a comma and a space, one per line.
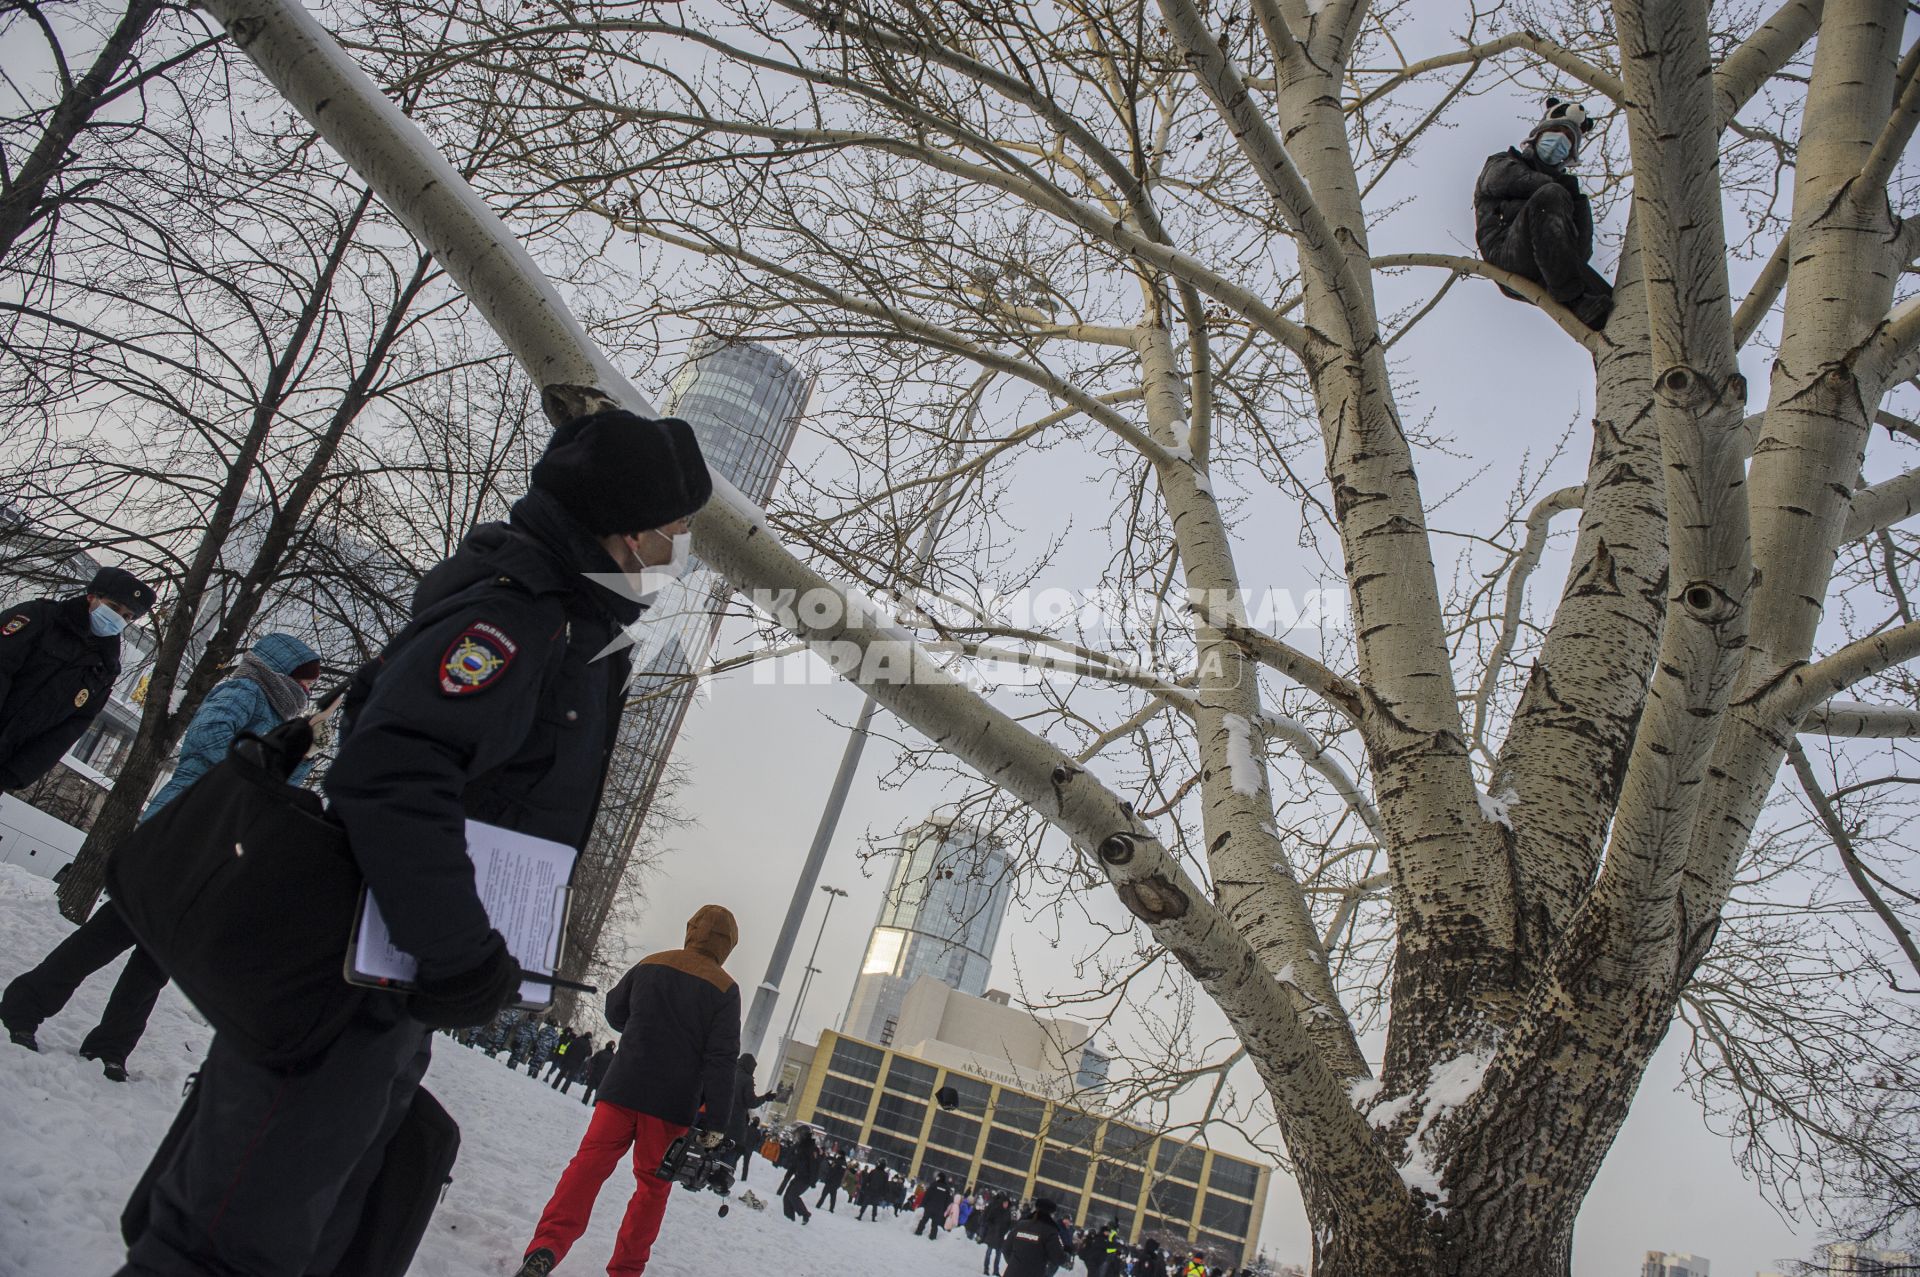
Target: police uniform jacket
(1033, 1248)
(55, 674)
(494, 704)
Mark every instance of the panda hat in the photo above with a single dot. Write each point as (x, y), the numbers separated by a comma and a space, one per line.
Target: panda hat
(1568, 117)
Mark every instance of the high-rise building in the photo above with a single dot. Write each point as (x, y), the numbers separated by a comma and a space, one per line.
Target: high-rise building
(744, 403)
(1660, 1263)
(940, 917)
(1856, 1260)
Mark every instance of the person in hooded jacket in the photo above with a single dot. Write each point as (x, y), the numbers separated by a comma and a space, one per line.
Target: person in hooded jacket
(270, 686)
(59, 659)
(499, 702)
(596, 1073)
(684, 1012)
(544, 1041)
(1531, 217)
(745, 1101)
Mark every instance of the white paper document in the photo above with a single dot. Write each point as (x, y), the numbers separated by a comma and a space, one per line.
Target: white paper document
(522, 881)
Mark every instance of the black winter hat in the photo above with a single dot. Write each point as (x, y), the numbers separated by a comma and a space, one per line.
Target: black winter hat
(616, 471)
(117, 585)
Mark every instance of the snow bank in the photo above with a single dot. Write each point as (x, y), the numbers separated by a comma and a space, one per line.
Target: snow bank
(75, 1143)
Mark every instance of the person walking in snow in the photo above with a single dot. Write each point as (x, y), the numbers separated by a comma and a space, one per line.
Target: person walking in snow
(500, 702)
(596, 1072)
(803, 1167)
(500, 1031)
(991, 1223)
(573, 1064)
(557, 1060)
(269, 686)
(59, 659)
(683, 1010)
(832, 1172)
(545, 1039)
(933, 1208)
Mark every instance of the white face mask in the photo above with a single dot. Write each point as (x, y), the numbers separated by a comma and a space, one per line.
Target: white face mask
(652, 578)
(105, 621)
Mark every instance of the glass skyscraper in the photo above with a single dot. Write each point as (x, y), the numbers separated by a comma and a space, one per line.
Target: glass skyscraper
(744, 403)
(940, 917)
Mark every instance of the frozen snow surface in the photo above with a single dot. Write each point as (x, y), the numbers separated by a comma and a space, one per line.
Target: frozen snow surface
(1494, 808)
(74, 1143)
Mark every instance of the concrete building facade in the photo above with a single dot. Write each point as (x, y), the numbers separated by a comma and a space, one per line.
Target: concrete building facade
(1005, 1138)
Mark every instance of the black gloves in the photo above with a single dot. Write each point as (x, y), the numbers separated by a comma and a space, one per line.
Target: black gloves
(471, 997)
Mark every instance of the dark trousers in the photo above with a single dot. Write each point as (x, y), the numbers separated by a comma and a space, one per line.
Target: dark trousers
(271, 1176)
(794, 1200)
(43, 991)
(586, 1096)
(746, 1160)
(925, 1220)
(1543, 243)
(991, 1264)
(829, 1197)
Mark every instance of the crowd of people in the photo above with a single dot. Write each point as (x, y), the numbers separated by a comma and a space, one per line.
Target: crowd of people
(1019, 1239)
(548, 1050)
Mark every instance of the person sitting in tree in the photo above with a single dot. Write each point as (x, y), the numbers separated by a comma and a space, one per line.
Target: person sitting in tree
(1530, 216)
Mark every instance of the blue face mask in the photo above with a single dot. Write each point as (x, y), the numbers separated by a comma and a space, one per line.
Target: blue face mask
(105, 621)
(1553, 149)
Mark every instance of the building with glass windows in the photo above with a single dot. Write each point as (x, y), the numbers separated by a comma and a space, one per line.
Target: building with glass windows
(940, 917)
(1002, 1138)
(744, 403)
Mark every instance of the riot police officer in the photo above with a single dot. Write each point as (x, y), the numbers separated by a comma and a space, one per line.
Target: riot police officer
(58, 662)
(499, 702)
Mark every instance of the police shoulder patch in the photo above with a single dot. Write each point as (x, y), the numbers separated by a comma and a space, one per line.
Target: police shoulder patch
(14, 625)
(476, 659)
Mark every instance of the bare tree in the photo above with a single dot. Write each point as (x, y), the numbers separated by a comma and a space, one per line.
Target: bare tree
(1157, 221)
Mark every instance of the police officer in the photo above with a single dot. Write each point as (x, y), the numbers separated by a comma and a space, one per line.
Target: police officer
(1033, 1247)
(58, 661)
(499, 702)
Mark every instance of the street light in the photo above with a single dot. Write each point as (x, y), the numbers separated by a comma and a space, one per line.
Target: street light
(806, 982)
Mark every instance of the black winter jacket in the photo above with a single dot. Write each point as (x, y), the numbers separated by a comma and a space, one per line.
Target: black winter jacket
(803, 1166)
(935, 1201)
(1033, 1248)
(495, 705)
(597, 1067)
(745, 1101)
(55, 675)
(1506, 183)
(678, 1016)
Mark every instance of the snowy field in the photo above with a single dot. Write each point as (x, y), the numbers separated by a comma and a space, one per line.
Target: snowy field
(73, 1143)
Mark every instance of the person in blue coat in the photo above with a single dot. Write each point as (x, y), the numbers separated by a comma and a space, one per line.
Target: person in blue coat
(270, 685)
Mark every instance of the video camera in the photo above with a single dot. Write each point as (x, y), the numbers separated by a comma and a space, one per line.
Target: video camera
(694, 1167)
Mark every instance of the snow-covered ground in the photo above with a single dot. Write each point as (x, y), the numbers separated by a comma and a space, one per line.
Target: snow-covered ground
(72, 1144)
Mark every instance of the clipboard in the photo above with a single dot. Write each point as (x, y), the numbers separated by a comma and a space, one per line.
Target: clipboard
(523, 885)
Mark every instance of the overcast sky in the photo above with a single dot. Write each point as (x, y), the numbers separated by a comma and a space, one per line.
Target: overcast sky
(1501, 381)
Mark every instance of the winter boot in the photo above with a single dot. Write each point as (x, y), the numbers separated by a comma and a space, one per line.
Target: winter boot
(22, 1037)
(116, 1070)
(538, 1264)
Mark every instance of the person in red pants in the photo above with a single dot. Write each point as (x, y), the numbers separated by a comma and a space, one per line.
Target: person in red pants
(685, 1010)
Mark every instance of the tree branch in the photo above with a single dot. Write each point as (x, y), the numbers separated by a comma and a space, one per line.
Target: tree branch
(1855, 721)
(1595, 78)
(1594, 343)
(1813, 684)
(1843, 843)
(1538, 524)
(1746, 70)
